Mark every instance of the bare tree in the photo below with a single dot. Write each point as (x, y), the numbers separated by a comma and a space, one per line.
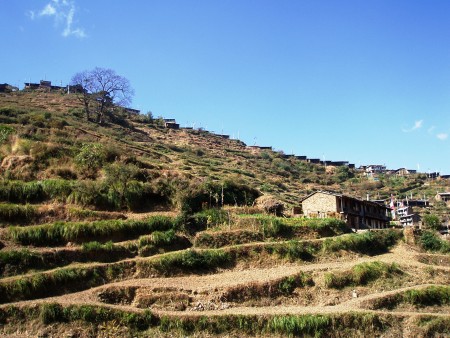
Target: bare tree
(102, 88)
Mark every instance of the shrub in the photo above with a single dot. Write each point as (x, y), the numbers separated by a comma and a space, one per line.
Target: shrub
(90, 158)
(431, 242)
(5, 132)
(432, 222)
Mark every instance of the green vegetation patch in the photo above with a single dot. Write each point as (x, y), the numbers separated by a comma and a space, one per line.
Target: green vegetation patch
(429, 296)
(225, 238)
(276, 227)
(60, 281)
(189, 261)
(370, 242)
(309, 325)
(35, 191)
(5, 131)
(63, 232)
(361, 274)
(281, 287)
(434, 326)
(430, 241)
(16, 213)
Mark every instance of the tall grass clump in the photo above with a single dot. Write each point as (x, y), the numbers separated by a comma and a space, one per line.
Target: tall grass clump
(328, 226)
(218, 239)
(294, 250)
(57, 190)
(361, 274)
(95, 315)
(430, 296)
(214, 216)
(16, 261)
(16, 213)
(305, 325)
(35, 191)
(370, 242)
(60, 281)
(434, 326)
(63, 232)
(161, 241)
(189, 261)
(21, 192)
(436, 295)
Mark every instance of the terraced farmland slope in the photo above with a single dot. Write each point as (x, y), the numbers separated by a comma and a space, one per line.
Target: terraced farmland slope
(137, 245)
(277, 279)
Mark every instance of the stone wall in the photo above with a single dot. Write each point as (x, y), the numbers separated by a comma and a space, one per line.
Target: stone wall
(319, 205)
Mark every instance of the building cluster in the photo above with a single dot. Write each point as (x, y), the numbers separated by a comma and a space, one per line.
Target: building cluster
(7, 88)
(45, 85)
(172, 124)
(357, 213)
(372, 170)
(365, 214)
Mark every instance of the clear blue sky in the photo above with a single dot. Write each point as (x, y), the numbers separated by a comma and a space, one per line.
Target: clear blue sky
(363, 81)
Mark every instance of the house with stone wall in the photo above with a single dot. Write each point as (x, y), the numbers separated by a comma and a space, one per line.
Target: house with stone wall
(358, 214)
(443, 196)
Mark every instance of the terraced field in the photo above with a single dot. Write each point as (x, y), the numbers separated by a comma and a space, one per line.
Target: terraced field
(158, 275)
(99, 237)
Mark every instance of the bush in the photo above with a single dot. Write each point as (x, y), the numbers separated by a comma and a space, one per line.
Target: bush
(431, 242)
(432, 222)
(5, 132)
(90, 158)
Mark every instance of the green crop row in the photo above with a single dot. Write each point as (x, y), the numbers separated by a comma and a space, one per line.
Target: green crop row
(63, 232)
(60, 281)
(145, 323)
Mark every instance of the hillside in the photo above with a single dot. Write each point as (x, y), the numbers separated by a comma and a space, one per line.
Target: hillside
(127, 228)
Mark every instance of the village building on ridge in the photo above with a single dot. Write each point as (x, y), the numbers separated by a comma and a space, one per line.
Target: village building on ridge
(358, 214)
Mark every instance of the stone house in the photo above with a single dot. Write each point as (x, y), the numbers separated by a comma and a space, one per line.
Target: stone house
(7, 88)
(404, 172)
(443, 196)
(355, 212)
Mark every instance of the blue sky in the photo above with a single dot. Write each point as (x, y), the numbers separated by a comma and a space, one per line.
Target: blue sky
(363, 81)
